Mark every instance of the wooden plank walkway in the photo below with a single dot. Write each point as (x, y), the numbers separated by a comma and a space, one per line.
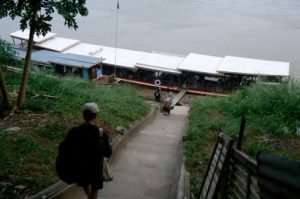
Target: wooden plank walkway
(192, 91)
(178, 97)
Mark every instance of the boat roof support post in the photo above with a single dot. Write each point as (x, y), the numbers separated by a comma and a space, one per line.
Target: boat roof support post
(85, 74)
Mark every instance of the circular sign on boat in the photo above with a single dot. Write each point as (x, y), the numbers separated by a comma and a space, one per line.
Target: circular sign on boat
(157, 82)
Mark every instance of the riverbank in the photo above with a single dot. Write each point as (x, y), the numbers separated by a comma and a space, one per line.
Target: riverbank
(272, 113)
(30, 136)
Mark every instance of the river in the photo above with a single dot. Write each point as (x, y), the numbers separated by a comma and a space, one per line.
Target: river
(262, 29)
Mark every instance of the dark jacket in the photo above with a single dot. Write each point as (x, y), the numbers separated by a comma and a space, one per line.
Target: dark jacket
(89, 151)
(157, 95)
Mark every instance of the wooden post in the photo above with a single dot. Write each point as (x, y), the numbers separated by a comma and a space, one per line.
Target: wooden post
(215, 171)
(207, 170)
(248, 191)
(241, 133)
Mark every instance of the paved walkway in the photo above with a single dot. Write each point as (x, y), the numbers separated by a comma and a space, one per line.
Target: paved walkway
(145, 166)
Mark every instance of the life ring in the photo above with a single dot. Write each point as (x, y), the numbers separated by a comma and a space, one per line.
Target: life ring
(157, 82)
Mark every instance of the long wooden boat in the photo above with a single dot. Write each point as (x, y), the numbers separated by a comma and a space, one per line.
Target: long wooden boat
(197, 73)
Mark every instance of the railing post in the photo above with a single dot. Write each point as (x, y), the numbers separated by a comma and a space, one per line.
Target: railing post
(248, 184)
(207, 170)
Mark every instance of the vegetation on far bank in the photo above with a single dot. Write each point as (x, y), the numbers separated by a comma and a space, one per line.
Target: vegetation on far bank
(28, 155)
(273, 117)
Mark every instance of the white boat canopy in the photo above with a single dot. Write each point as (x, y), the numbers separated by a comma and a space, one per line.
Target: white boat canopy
(160, 62)
(201, 64)
(84, 49)
(24, 35)
(247, 66)
(125, 58)
(58, 44)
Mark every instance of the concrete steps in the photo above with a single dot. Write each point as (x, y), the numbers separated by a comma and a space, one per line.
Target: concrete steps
(146, 164)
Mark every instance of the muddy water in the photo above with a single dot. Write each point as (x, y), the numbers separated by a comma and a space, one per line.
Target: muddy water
(265, 29)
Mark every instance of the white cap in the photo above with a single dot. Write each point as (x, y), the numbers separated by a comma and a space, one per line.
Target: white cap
(91, 106)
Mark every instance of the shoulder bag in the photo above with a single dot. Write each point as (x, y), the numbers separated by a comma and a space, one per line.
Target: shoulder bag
(107, 174)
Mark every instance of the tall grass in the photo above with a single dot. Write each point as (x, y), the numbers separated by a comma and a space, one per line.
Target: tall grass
(272, 109)
(28, 157)
(119, 105)
(272, 112)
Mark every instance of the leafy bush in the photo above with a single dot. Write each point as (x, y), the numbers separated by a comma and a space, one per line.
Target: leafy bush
(274, 108)
(255, 147)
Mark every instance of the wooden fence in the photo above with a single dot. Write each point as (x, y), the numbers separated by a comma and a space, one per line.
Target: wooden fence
(230, 174)
(241, 178)
(216, 167)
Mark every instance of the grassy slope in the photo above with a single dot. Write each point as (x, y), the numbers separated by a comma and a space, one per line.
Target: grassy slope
(273, 113)
(28, 156)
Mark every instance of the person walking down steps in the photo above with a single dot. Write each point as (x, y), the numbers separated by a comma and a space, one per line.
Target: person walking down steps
(87, 148)
(91, 152)
(168, 100)
(157, 95)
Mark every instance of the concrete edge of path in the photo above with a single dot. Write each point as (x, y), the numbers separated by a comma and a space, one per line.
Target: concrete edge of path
(181, 183)
(181, 186)
(60, 187)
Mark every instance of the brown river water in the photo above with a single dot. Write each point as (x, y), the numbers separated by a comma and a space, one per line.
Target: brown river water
(262, 29)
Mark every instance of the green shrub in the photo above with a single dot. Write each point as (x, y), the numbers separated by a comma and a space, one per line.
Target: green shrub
(255, 147)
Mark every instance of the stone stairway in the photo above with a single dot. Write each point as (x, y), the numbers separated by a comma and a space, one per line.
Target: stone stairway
(145, 165)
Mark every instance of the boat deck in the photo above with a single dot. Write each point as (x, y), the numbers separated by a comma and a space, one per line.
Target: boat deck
(177, 89)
